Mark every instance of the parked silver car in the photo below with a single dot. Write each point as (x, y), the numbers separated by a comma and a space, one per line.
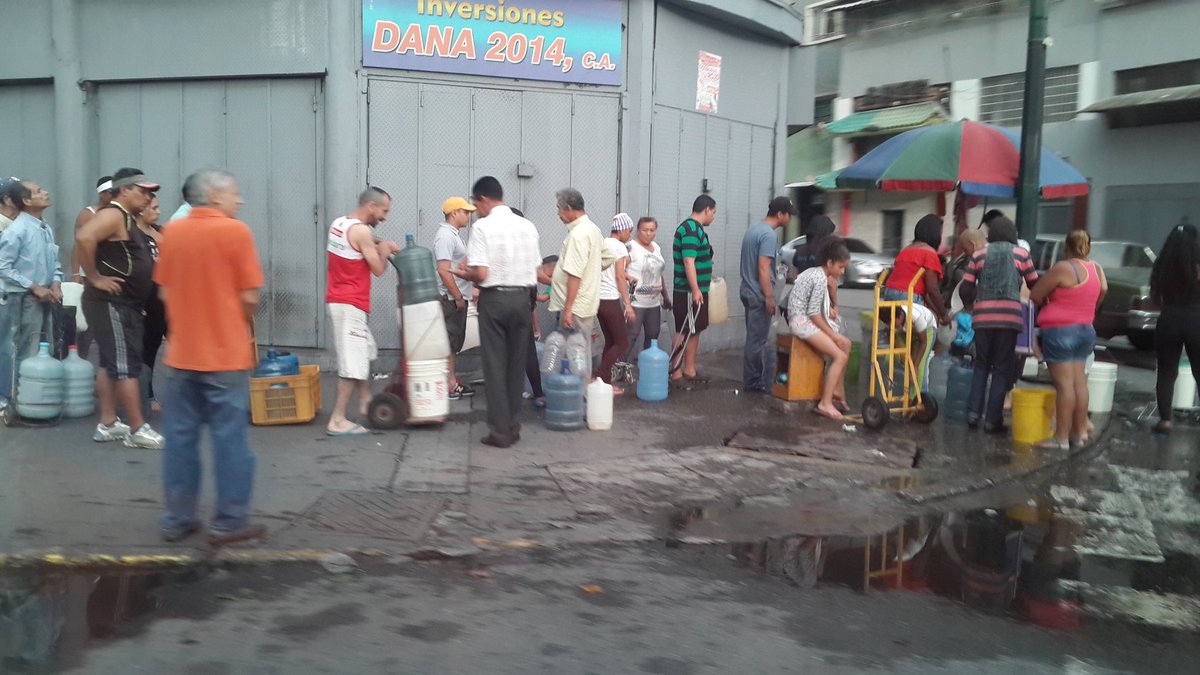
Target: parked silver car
(1126, 308)
(865, 264)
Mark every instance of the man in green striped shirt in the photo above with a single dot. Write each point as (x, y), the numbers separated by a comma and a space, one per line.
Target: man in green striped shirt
(692, 255)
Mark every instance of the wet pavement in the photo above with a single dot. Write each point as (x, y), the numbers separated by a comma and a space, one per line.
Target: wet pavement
(694, 537)
(604, 610)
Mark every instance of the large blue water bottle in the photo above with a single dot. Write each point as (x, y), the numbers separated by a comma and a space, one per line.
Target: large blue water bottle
(418, 272)
(277, 365)
(653, 373)
(939, 376)
(40, 386)
(564, 400)
(958, 389)
(79, 398)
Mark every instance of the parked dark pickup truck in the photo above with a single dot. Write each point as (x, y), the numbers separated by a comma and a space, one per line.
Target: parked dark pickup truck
(1126, 309)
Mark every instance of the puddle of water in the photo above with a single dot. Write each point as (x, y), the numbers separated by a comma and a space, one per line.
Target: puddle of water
(1113, 536)
(47, 618)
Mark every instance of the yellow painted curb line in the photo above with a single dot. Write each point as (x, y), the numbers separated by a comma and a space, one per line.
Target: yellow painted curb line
(89, 560)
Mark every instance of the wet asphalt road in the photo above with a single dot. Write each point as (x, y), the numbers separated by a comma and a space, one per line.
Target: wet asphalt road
(601, 610)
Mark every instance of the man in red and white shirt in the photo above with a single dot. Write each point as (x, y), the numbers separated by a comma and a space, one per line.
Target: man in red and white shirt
(354, 254)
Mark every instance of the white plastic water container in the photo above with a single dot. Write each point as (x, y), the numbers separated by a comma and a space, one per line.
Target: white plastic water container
(471, 339)
(1030, 370)
(424, 326)
(428, 392)
(72, 293)
(1102, 382)
(599, 406)
(1185, 388)
(718, 302)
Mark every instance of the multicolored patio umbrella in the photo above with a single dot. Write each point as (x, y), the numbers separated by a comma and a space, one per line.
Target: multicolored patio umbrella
(978, 159)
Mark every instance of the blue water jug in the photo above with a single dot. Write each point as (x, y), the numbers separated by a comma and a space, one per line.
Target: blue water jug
(564, 400)
(418, 272)
(277, 365)
(79, 397)
(40, 386)
(653, 373)
(958, 389)
(939, 376)
(541, 350)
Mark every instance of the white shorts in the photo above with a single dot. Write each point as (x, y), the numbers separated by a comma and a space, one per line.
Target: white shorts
(353, 341)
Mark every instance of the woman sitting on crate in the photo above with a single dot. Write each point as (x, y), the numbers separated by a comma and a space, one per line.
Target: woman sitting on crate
(813, 318)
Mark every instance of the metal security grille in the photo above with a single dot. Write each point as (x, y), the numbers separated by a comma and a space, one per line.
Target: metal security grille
(378, 514)
(28, 152)
(268, 133)
(737, 160)
(427, 142)
(1003, 96)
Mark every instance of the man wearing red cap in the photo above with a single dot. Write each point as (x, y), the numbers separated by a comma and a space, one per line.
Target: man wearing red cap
(117, 266)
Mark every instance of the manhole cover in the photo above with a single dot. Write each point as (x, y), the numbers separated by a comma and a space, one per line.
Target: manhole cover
(377, 514)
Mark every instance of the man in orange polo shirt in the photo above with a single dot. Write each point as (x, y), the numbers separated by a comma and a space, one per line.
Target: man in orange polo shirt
(209, 276)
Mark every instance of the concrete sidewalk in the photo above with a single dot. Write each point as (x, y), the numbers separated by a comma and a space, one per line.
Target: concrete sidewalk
(438, 491)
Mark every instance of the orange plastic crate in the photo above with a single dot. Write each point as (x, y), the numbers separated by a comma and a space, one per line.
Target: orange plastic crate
(294, 399)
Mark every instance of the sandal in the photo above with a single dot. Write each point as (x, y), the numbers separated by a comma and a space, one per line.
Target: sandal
(1053, 444)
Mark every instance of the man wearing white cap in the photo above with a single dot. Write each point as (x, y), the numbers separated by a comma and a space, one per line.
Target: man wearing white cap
(116, 263)
(616, 310)
(449, 251)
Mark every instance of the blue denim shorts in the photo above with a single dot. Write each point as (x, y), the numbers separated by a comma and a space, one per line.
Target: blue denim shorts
(1068, 344)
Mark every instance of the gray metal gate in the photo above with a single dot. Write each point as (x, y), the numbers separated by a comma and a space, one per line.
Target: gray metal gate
(268, 133)
(736, 159)
(27, 149)
(427, 142)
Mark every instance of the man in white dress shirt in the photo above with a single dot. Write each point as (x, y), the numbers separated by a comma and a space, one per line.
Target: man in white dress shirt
(502, 261)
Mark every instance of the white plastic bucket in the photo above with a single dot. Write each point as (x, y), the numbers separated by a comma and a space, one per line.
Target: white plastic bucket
(1102, 382)
(424, 329)
(1185, 388)
(599, 406)
(428, 394)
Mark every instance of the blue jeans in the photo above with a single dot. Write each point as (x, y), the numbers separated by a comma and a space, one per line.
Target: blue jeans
(22, 327)
(1068, 344)
(758, 361)
(221, 401)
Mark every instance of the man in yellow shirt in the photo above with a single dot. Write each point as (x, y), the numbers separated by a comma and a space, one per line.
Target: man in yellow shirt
(575, 286)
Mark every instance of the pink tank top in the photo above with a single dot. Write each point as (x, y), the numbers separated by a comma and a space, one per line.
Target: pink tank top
(1073, 306)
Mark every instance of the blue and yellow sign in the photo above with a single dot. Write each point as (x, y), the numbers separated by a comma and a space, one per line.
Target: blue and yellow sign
(575, 41)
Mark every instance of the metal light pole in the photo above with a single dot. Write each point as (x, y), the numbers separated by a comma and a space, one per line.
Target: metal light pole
(1028, 193)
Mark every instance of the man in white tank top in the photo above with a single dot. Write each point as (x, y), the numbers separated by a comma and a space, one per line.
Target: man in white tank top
(353, 255)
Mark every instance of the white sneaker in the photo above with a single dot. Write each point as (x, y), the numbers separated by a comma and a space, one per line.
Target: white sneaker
(114, 432)
(145, 438)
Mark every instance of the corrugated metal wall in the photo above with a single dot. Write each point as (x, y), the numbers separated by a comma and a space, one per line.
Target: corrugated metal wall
(27, 146)
(735, 158)
(268, 133)
(427, 142)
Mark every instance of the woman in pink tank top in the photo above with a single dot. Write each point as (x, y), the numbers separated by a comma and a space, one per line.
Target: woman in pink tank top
(1069, 295)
